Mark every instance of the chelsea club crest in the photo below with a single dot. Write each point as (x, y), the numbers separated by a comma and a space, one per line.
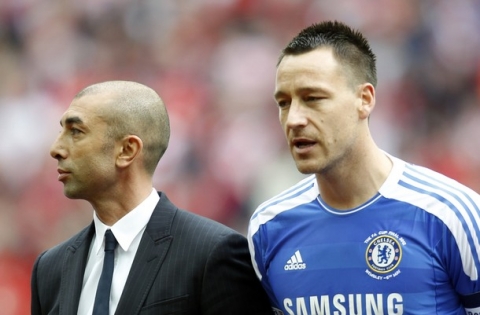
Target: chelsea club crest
(383, 254)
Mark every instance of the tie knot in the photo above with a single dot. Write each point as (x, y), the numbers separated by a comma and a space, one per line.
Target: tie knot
(110, 241)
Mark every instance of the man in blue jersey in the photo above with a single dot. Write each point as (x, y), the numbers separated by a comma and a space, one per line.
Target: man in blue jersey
(366, 233)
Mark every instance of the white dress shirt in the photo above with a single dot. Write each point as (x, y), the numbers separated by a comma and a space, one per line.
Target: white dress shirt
(128, 231)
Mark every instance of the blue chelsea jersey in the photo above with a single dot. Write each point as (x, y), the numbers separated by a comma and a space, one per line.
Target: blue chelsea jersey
(412, 249)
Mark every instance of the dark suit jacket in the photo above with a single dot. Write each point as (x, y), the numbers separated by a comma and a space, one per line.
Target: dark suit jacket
(185, 264)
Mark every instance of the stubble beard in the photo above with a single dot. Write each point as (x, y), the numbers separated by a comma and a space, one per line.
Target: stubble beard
(321, 166)
(71, 191)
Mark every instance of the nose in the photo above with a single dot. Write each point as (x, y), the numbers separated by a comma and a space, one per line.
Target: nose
(56, 150)
(296, 116)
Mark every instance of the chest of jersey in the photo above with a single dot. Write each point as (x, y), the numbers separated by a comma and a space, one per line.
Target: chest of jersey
(378, 260)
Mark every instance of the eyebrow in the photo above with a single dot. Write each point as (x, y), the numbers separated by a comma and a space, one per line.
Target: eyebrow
(301, 90)
(278, 94)
(72, 120)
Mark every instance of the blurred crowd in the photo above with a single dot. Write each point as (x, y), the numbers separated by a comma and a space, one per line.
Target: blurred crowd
(213, 63)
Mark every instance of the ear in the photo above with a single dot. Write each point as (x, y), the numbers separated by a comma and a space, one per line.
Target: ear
(367, 96)
(130, 148)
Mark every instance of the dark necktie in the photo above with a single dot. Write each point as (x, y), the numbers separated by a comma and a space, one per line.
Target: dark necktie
(102, 298)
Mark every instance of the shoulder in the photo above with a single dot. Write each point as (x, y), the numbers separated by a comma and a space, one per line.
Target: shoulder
(188, 230)
(53, 255)
(424, 187)
(187, 222)
(299, 194)
(169, 218)
(443, 199)
(203, 239)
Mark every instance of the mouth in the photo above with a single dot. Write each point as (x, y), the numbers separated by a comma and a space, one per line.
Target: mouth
(62, 174)
(302, 143)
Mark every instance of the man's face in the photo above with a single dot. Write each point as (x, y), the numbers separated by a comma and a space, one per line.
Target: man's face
(85, 154)
(318, 109)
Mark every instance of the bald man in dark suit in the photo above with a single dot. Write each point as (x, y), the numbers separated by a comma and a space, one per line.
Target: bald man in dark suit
(165, 260)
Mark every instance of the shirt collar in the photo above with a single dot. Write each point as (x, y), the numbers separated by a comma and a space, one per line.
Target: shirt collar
(127, 228)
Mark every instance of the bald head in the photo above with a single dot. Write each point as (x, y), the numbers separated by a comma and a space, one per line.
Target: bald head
(134, 109)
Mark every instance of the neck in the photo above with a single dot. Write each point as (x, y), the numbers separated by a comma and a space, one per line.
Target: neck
(355, 180)
(112, 207)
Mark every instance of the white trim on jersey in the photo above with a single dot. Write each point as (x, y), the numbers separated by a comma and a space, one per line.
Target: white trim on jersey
(303, 192)
(454, 204)
(288, 193)
(347, 212)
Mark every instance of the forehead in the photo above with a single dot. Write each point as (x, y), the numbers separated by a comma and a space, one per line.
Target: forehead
(87, 109)
(318, 57)
(316, 66)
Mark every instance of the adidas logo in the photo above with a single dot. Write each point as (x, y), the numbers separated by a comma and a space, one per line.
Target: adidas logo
(295, 262)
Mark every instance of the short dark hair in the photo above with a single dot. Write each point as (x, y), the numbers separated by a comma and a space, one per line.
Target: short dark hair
(349, 46)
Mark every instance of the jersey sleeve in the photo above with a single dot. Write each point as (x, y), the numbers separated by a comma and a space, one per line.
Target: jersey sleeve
(462, 262)
(257, 255)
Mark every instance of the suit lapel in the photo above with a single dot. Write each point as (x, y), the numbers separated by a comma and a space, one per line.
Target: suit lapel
(73, 271)
(151, 252)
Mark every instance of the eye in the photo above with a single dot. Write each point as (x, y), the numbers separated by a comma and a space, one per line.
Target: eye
(283, 103)
(74, 131)
(311, 98)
